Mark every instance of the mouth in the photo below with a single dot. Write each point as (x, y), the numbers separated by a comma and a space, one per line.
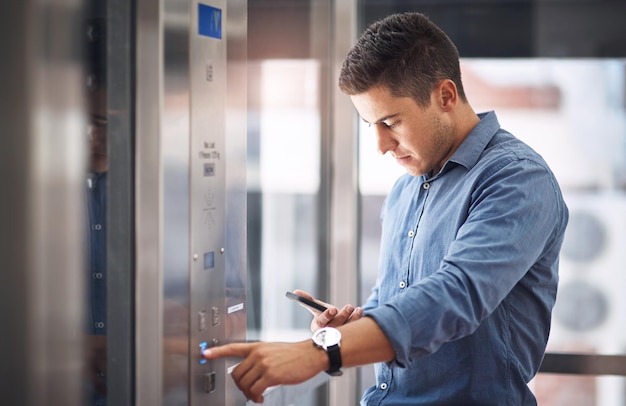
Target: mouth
(402, 160)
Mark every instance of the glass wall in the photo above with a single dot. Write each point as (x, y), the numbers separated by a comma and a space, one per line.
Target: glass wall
(563, 93)
(573, 113)
(288, 52)
(284, 185)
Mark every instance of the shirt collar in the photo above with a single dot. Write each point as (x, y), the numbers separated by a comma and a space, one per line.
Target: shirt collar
(475, 143)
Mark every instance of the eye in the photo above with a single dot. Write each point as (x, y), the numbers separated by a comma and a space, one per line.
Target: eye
(389, 124)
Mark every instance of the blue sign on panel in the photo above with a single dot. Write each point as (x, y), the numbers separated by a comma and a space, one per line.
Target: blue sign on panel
(209, 21)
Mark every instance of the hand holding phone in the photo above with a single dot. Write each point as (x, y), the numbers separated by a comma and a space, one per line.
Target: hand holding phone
(305, 302)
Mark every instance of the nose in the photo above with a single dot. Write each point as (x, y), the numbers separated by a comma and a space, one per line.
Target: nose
(384, 141)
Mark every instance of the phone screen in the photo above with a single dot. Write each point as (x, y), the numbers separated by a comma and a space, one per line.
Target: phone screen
(305, 302)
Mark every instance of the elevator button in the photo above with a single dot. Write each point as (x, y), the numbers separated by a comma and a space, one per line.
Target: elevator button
(215, 316)
(208, 382)
(202, 346)
(209, 260)
(202, 320)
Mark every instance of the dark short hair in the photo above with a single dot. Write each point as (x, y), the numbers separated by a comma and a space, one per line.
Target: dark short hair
(407, 53)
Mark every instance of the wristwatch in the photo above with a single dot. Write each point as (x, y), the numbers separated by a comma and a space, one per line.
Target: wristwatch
(329, 339)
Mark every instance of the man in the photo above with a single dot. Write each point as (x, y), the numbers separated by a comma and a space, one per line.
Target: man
(460, 314)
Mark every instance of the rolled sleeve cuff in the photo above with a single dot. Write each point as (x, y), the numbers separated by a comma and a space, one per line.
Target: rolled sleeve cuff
(397, 331)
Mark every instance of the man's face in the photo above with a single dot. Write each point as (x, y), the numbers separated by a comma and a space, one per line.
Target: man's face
(420, 139)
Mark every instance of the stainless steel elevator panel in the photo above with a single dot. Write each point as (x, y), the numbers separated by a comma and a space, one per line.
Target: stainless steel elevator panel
(191, 194)
(42, 156)
(216, 299)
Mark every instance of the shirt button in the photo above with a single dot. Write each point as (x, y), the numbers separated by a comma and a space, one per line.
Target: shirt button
(100, 324)
(97, 227)
(97, 275)
(411, 233)
(402, 285)
(383, 386)
(426, 186)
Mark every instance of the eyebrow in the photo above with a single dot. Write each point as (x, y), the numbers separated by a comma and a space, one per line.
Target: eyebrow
(380, 120)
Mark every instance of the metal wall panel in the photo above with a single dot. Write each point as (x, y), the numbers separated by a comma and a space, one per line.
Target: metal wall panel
(217, 194)
(148, 204)
(207, 197)
(120, 204)
(235, 211)
(42, 156)
(191, 132)
(175, 143)
(344, 266)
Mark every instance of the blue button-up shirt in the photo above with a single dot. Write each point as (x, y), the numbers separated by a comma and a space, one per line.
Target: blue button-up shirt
(468, 276)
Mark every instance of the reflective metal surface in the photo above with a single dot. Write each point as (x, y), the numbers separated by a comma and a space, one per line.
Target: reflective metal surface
(235, 147)
(190, 184)
(42, 159)
(149, 204)
(345, 206)
(121, 204)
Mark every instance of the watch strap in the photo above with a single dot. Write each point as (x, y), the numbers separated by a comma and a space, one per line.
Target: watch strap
(334, 360)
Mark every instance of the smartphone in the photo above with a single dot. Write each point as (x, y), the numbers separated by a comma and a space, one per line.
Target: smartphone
(305, 302)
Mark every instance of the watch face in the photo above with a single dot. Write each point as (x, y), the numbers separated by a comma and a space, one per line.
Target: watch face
(327, 336)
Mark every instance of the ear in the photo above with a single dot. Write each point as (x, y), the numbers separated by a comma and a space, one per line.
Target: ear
(448, 95)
